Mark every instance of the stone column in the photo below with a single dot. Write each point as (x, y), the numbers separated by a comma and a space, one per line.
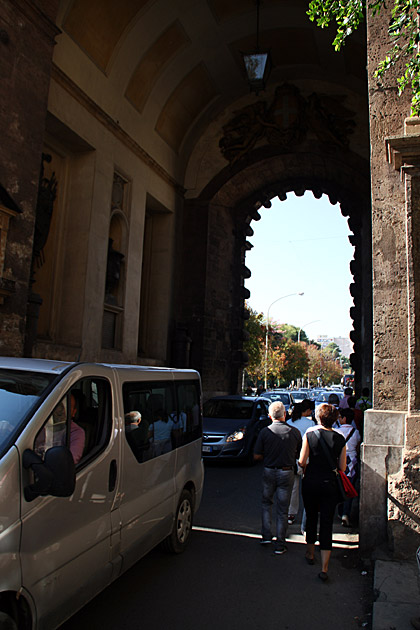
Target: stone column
(403, 483)
(219, 301)
(385, 425)
(390, 505)
(209, 302)
(27, 39)
(190, 281)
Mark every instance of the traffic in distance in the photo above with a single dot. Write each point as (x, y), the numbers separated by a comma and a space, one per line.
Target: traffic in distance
(231, 423)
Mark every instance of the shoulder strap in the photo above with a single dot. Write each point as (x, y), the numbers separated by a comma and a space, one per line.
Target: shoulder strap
(350, 434)
(326, 449)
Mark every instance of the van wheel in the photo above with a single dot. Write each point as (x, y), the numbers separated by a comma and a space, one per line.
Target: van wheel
(181, 531)
(7, 622)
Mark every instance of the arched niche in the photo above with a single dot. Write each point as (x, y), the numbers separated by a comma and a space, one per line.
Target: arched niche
(114, 299)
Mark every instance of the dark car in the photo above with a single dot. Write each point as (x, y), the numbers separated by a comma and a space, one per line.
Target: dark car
(231, 425)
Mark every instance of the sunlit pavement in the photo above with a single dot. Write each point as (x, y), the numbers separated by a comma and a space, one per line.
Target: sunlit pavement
(227, 580)
(341, 540)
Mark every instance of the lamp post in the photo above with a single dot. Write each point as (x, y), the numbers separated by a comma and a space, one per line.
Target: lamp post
(300, 329)
(307, 324)
(266, 332)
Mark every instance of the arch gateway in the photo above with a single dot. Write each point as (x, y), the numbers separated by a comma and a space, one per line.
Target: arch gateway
(134, 160)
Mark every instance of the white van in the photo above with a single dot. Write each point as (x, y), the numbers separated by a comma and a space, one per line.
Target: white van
(98, 464)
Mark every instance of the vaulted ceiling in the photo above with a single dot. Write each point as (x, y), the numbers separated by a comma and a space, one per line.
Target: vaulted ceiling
(164, 69)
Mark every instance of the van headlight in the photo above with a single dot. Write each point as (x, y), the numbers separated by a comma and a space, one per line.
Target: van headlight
(237, 435)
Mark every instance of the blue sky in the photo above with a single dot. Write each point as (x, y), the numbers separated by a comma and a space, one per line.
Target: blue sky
(301, 244)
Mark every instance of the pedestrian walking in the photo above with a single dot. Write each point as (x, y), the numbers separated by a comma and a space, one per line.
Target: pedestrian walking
(302, 420)
(333, 399)
(343, 404)
(352, 437)
(320, 446)
(278, 445)
(357, 414)
(364, 402)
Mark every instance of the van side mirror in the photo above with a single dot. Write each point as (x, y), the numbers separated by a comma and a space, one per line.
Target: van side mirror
(54, 475)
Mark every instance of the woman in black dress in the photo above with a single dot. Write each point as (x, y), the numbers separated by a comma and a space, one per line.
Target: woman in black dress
(319, 485)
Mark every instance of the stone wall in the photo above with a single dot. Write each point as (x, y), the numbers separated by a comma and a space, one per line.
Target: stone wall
(390, 314)
(26, 45)
(389, 501)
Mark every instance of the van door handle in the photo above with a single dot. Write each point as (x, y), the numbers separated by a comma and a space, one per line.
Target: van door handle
(112, 475)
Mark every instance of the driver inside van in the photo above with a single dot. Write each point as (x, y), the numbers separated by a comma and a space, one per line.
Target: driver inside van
(53, 433)
(77, 434)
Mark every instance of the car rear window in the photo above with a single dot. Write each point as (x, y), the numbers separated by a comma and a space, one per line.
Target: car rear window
(325, 396)
(284, 398)
(298, 396)
(232, 409)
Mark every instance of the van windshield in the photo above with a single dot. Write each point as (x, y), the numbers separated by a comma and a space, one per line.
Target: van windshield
(19, 393)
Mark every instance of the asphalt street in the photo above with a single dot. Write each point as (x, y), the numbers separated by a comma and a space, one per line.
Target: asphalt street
(225, 579)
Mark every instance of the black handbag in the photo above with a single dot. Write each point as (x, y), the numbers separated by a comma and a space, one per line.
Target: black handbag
(346, 490)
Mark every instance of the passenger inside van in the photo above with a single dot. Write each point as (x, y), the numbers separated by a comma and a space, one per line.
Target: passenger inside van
(160, 430)
(137, 434)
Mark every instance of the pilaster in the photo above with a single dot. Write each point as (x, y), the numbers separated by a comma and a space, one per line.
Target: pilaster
(404, 154)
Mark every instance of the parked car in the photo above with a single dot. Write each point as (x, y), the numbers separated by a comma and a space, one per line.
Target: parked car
(325, 395)
(298, 395)
(314, 393)
(231, 425)
(279, 394)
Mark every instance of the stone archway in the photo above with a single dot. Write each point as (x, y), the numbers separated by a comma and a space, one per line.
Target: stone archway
(215, 228)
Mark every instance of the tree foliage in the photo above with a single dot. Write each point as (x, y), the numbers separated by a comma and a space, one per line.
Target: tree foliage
(292, 332)
(403, 30)
(295, 363)
(287, 360)
(256, 329)
(324, 368)
(333, 350)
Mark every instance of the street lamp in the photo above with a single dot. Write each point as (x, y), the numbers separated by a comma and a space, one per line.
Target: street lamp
(299, 331)
(257, 63)
(307, 324)
(266, 332)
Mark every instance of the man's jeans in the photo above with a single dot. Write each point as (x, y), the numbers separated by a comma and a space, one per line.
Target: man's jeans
(278, 483)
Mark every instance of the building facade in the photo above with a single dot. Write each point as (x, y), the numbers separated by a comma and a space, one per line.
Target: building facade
(135, 160)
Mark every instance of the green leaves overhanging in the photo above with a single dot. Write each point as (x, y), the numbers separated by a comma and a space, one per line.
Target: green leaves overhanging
(403, 31)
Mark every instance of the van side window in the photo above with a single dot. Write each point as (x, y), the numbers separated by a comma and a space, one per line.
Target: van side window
(161, 416)
(188, 411)
(150, 418)
(81, 421)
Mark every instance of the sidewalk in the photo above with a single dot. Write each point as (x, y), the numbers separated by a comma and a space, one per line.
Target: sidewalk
(397, 595)
(396, 587)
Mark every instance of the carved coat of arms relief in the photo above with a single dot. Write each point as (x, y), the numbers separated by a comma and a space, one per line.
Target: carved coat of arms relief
(286, 121)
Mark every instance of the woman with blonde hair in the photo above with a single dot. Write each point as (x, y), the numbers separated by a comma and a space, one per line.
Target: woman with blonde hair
(323, 451)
